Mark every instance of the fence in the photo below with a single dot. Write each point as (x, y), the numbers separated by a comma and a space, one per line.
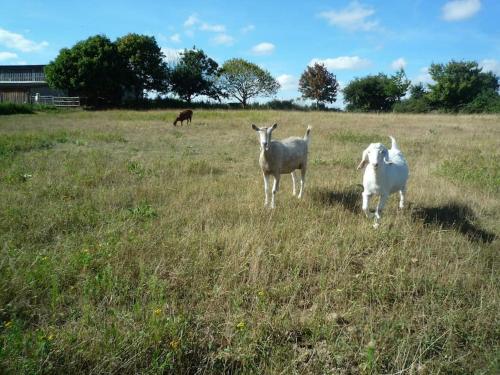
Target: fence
(57, 101)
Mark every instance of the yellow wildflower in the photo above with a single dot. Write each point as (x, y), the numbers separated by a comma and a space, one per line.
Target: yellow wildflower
(157, 312)
(8, 324)
(174, 344)
(240, 325)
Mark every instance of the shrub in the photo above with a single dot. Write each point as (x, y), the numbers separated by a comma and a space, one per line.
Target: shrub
(420, 105)
(487, 101)
(13, 108)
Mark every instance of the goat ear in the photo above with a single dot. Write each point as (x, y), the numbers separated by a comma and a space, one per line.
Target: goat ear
(364, 159)
(274, 126)
(255, 127)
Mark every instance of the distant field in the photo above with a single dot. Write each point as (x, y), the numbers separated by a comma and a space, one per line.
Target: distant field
(130, 246)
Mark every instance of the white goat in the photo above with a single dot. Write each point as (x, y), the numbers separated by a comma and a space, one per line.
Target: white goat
(279, 157)
(386, 173)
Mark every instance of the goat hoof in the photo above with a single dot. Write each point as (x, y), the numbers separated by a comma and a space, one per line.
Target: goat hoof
(376, 225)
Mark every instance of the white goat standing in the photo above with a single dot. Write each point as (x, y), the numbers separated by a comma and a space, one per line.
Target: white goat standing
(386, 173)
(280, 157)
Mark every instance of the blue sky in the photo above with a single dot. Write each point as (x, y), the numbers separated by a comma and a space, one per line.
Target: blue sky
(353, 38)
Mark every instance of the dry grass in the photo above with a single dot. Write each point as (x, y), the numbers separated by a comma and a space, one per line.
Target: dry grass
(130, 246)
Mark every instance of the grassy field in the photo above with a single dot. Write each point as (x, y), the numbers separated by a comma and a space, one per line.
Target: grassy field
(130, 246)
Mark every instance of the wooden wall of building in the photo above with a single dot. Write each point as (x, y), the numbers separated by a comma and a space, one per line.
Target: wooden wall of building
(18, 96)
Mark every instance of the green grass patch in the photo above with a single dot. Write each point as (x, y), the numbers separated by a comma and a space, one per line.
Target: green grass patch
(143, 211)
(475, 170)
(12, 144)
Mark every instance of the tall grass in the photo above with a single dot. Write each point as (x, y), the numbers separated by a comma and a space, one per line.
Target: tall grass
(130, 246)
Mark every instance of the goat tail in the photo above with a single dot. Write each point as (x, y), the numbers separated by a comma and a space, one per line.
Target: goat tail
(307, 136)
(394, 145)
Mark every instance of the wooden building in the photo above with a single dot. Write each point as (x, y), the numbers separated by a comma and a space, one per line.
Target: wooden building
(22, 83)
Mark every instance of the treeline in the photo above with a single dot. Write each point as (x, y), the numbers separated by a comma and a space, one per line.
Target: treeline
(459, 86)
(109, 72)
(122, 72)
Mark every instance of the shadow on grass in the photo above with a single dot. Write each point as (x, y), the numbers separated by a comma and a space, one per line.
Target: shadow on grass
(456, 216)
(349, 198)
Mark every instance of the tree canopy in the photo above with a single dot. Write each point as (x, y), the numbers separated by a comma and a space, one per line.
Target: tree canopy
(318, 84)
(458, 83)
(376, 92)
(92, 68)
(145, 67)
(195, 74)
(417, 91)
(242, 80)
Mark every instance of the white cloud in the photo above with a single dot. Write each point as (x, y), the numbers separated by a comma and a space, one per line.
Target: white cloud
(458, 10)
(7, 56)
(287, 82)
(343, 62)
(264, 48)
(490, 65)
(19, 42)
(223, 39)
(247, 29)
(398, 64)
(172, 55)
(354, 17)
(176, 38)
(191, 20)
(194, 21)
(424, 76)
(213, 28)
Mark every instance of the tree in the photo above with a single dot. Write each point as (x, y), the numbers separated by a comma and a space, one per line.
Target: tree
(242, 80)
(91, 68)
(418, 101)
(417, 91)
(376, 92)
(318, 84)
(145, 67)
(195, 74)
(459, 83)
(397, 87)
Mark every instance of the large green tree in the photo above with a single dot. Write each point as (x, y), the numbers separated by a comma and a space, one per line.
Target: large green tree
(195, 74)
(145, 66)
(459, 83)
(92, 68)
(318, 84)
(375, 92)
(243, 80)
